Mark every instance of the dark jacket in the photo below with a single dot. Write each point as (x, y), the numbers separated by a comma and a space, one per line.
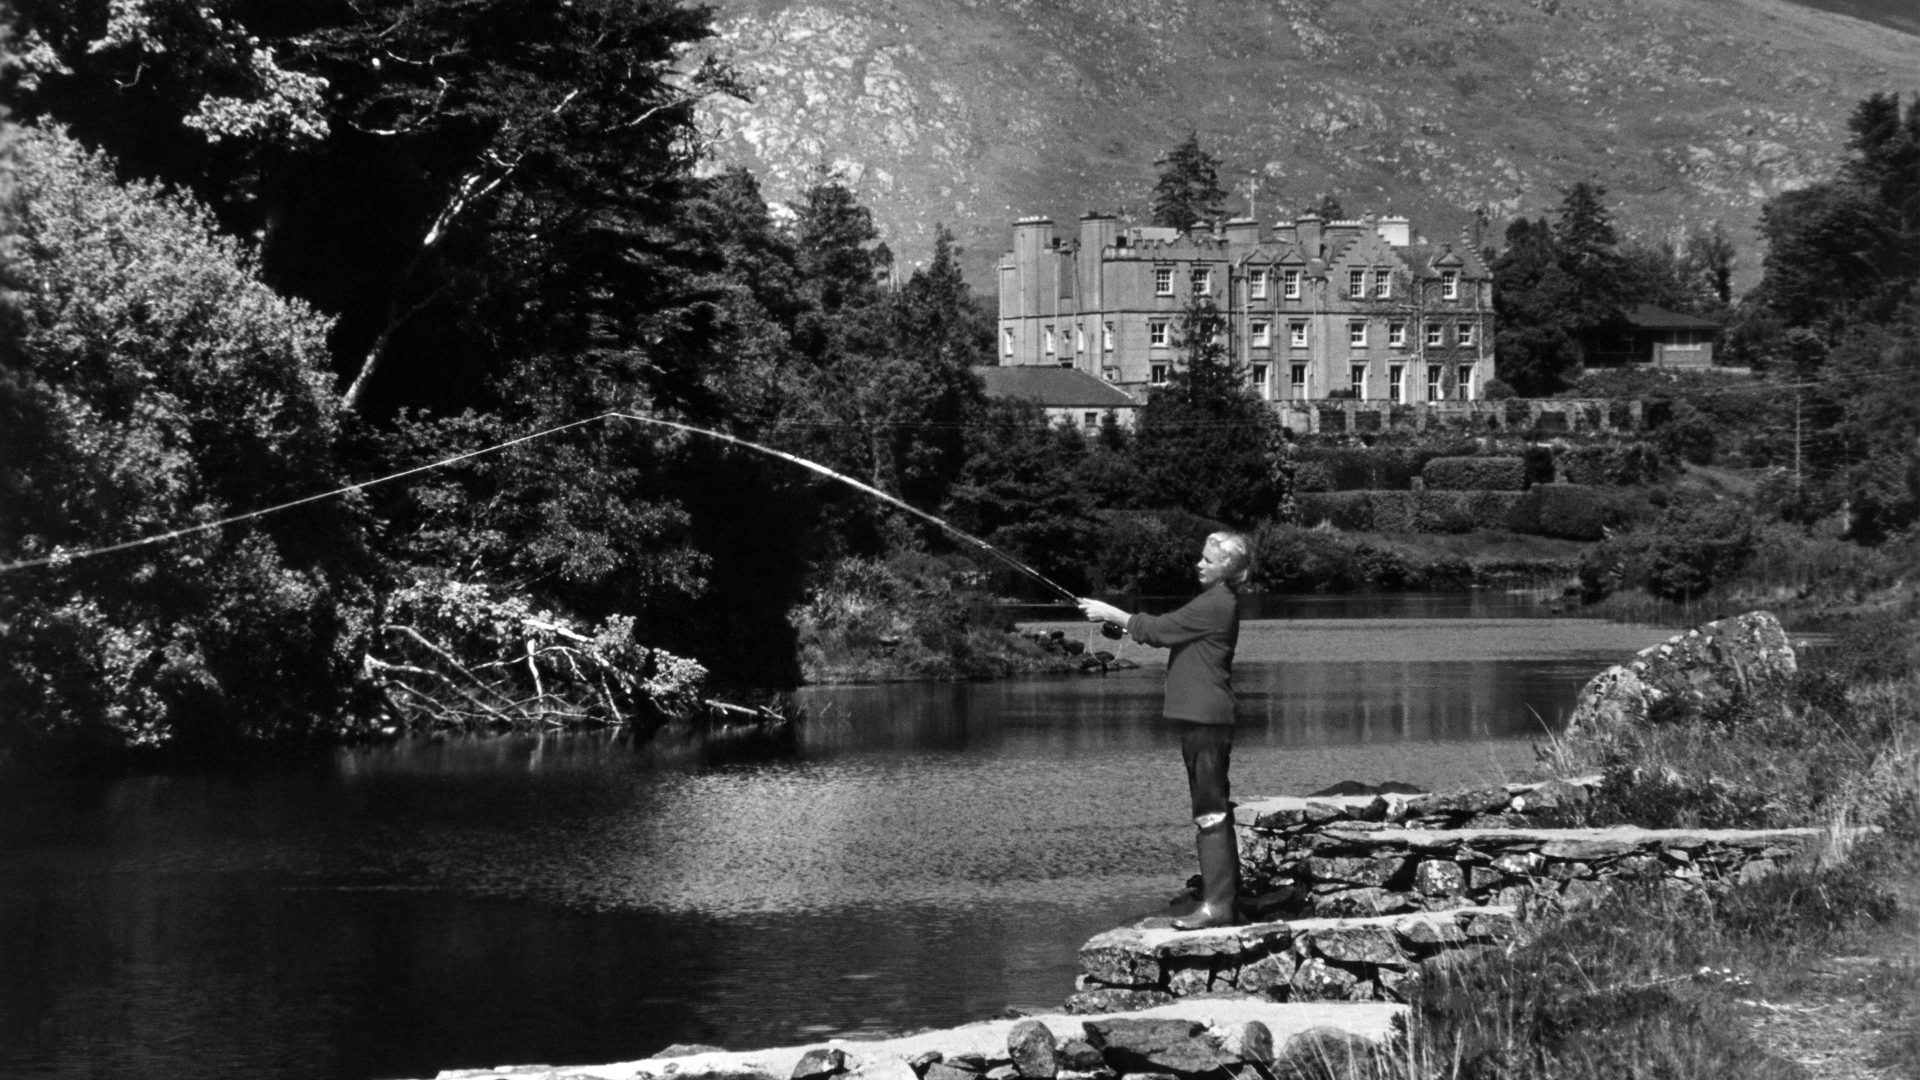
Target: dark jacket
(1202, 635)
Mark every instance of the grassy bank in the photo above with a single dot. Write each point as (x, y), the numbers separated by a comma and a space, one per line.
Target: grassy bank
(1817, 965)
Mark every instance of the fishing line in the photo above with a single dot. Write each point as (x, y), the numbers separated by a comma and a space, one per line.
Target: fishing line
(64, 557)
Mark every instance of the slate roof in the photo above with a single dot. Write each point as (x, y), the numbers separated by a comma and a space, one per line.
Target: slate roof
(1053, 387)
(1649, 317)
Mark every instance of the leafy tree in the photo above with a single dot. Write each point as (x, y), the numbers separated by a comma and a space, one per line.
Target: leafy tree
(1020, 491)
(1205, 442)
(1188, 192)
(1328, 208)
(1531, 295)
(149, 382)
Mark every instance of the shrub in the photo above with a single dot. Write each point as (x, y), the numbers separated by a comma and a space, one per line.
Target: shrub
(1475, 474)
(1608, 466)
(1150, 552)
(1696, 545)
(1363, 468)
(1496, 390)
(1351, 511)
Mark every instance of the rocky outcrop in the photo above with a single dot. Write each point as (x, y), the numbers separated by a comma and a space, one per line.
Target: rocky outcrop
(1708, 664)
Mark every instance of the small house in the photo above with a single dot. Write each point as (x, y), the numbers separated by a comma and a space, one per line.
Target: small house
(1068, 395)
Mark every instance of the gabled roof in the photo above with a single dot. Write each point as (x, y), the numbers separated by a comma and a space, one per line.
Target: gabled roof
(1649, 317)
(1053, 387)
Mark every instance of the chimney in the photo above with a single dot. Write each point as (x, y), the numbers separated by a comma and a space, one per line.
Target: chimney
(1241, 232)
(1307, 232)
(1396, 230)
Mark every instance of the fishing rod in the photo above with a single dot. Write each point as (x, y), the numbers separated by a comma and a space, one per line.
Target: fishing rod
(815, 466)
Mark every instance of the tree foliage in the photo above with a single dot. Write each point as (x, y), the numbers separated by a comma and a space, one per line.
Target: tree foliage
(1188, 192)
(150, 382)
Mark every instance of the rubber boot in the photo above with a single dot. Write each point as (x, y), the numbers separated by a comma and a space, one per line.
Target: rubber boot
(1219, 878)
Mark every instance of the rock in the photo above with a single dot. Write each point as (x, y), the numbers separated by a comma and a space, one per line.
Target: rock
(1264, 974)
(1031, 1045)
(1586, 850)
(820, 1063)
(1552, 795)
(1120, 999)
(1456, 804)
(1120, 958)
(1317, 980)
(1757, 870)
(1355, 787)
(1249, 1040)
(1003, 1072)
(1743, 654)
(1429, 930)
(1186, 982)
(969, 1061)
(1131, 1046)
(1360, 903)
(1079, 1055)
(1323, 1052)
(688, 1050)
(925, 1059)
(1438, 877)
(1370, 944)
(1376, 872)
(940, 1070)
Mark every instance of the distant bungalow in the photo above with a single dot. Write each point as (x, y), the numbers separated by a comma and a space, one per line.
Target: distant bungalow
(1067, 395)
(1314, 309)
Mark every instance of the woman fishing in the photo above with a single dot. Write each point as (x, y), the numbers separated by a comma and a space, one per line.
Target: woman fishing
(1201, 635)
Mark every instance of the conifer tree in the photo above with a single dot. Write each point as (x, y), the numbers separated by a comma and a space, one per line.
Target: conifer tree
(1188, 192)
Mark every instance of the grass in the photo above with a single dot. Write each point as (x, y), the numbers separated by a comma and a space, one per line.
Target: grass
(1820, 960)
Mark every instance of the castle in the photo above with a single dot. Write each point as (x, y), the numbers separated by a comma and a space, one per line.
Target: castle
(1314, 309)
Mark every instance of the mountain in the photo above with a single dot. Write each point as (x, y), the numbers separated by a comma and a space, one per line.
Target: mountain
(975, 112)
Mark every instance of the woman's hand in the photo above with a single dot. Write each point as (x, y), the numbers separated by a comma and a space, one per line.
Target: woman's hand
(1100, 611)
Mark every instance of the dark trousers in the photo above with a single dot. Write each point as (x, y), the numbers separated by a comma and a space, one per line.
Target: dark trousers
(1207, 749)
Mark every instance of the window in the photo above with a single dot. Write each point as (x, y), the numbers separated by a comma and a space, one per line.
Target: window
(1080, 337)
(1433, 382)
(1297, 334)
(1382, 284)
(1357, 381)
(1261, 332)
(1397, 335)
(1396, 384)
(1090, 419)
(1202, 282)
(1297, 381)
(1450, 285)
(1110, 373)
(1434, 336)
(1258, 377)
(1463, 334)
(1006, 342)
(1157, 333)
(1046, 338)
(1066, 363)
(1163, 281)
(1464, 383)
(1157, 374)
(1257, 284)
(1290, 284)
(1356, 283)
(1106, 336)
(1357, 334)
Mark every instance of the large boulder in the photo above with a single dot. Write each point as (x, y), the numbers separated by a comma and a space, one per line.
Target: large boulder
(1742, 655)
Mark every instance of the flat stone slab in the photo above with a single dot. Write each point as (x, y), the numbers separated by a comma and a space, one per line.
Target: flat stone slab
(1577, 843)
(1372, 1021)
(1293, 810)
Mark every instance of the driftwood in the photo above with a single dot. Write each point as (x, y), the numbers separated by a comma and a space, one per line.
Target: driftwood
(544, 676)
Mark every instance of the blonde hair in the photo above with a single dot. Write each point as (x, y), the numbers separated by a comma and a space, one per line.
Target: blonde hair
(1239, 553)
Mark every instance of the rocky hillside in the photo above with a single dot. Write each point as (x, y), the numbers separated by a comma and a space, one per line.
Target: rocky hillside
(974, 112)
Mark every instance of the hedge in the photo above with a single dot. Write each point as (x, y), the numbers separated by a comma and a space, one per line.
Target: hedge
(1573, 511)
(1475, 474)
(1408, 511)
(1358, 468)
(1608, 466)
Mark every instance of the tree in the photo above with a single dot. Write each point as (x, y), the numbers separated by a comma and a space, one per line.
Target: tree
(1020, 491)
(1205, 442)
(150, 382)
(1531, 296)
(1188, 192)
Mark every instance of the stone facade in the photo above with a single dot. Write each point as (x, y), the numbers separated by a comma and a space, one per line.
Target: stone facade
(1313, 307)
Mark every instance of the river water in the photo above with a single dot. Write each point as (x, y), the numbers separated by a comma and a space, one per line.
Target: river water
(928, 854)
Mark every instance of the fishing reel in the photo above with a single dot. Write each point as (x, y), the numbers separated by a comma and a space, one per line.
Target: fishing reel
(1112, 630)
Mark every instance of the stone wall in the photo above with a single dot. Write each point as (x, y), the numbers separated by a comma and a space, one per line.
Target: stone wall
(1545, 416)
(1302, 960)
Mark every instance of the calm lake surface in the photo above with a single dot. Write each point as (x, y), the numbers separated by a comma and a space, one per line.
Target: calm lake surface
(928, 855)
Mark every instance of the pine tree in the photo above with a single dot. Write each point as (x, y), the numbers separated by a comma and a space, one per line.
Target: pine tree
(1188, 192)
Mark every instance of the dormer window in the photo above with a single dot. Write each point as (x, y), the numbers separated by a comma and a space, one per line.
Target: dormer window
(1290, 284)
(1449, 284)
(1356, 283)
(1257, 283)
(1382, 284)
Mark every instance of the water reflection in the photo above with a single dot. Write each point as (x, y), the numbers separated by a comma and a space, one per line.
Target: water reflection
(926, 854)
